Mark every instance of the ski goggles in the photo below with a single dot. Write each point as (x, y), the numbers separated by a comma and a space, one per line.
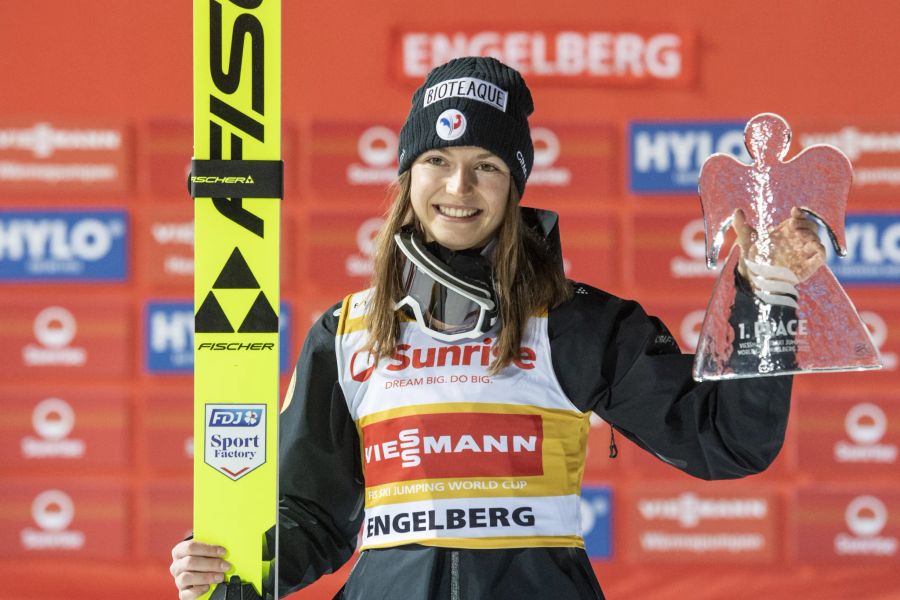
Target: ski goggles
(446, 305)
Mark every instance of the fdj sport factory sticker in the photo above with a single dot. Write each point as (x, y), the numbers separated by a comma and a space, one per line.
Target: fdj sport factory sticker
(235, 438)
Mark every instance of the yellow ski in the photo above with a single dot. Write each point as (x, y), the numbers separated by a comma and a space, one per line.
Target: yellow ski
(236, 185)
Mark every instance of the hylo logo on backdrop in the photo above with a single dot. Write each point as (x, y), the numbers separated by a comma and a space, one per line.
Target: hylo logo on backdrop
(865, 424)
(596, 521)
(54, 328)
(873, 250)
(666, 157)
(866, 517)
(52, 511)
(377, 147)
(62, 245)
(235, 438)
(53, 420)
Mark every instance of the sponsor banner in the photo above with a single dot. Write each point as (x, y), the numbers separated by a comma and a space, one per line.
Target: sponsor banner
(665, 157)
(848, 436)
(67, 427)
(441, 445)
(165, 251)
(684, 523)
(601, 55)
(169, 338)
(669, 252)
(60, 245)
(408, 522)
(590, 246)
(873, 148)
(168, 145)
(847, 524)
(235, 442)
(64, 157)
(56, 339)
(340, 249)
(359, 160)
(596, 521)
(167, 516)
(168, 440)
(873, 250)
(352, 159)
(64, 519)
(573, 159)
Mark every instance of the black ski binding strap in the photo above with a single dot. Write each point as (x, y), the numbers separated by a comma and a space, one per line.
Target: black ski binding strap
(235, 590)
(236, 178)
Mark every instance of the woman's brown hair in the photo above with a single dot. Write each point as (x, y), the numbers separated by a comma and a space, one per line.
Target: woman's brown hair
(528, 279)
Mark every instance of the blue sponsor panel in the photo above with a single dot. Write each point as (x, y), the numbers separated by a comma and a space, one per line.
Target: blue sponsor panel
(596, 521)
(59, 245)
(169, 337)
(873, 250)
(665, 157)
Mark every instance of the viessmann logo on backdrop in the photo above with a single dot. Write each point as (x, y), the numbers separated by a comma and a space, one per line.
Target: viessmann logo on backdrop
(578, 54)
(169, 337)
(666, 157)
(452, 445)
(63, 245)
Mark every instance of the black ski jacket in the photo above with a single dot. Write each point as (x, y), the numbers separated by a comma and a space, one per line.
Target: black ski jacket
(611, 358)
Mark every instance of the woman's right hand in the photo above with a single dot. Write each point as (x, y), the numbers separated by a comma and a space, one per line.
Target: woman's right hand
(195, 566)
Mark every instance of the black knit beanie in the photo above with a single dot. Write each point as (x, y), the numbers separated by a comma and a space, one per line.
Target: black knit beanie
(472, 101)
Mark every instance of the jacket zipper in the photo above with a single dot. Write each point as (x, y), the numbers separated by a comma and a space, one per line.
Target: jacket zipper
(454, 575)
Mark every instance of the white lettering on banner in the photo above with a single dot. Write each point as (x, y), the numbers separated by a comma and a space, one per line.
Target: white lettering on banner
(866, 425)
(171, 331)
(471, 518)
(43, 139)
(546, 150)
(410, 445)
(54, 328)
(865, 245)
(689, 510)
(53, 511)
(377, 147)
(87, 239)
(362, 264)
(173, 233)
(854, 143)
(658, 541)
(567, 54)
(83, 173)
(685, 151)
(53, 420)
(866, 517)
(466, 87)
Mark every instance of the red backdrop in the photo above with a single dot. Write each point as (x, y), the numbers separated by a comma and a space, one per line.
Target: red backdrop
(96, 262)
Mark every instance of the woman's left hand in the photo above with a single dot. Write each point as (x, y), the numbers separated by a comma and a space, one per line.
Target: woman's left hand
(793, 245)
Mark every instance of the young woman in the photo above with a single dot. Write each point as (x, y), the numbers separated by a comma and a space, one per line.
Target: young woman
(442, 415)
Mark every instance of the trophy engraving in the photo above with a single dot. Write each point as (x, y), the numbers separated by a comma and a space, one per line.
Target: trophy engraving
(775, 319)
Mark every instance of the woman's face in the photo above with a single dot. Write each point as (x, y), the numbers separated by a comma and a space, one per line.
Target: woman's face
(459, 195)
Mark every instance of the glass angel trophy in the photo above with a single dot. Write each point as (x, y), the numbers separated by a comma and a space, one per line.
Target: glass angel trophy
(769, 319)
